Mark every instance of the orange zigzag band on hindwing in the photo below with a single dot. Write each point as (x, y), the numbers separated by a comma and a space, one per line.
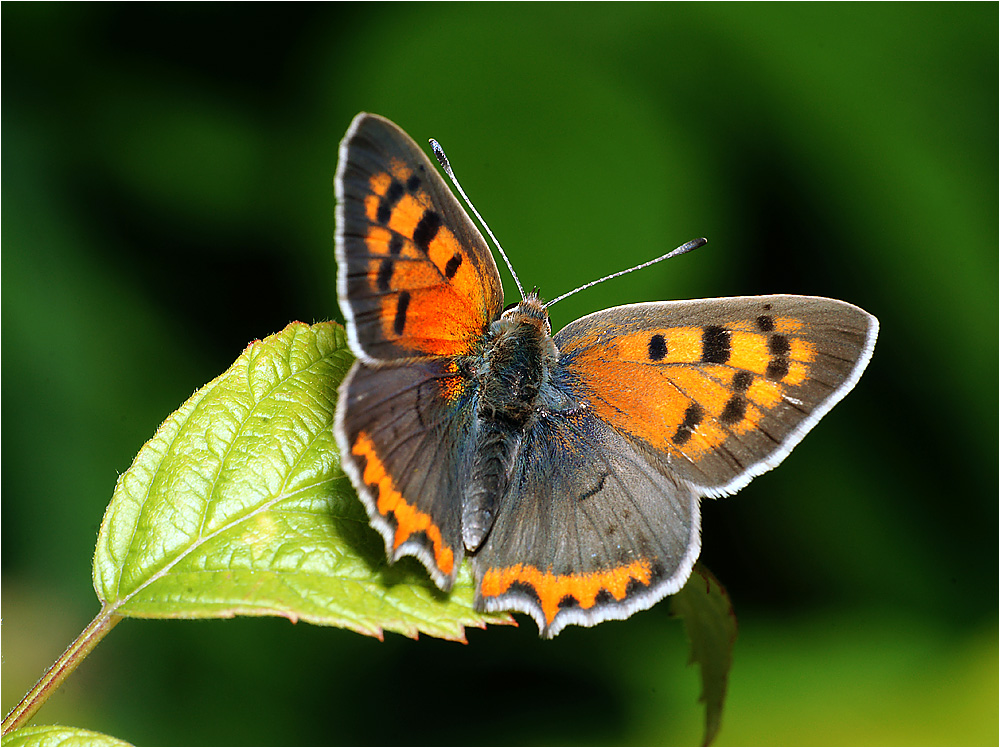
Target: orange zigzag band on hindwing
(552, 588)
(409, 519)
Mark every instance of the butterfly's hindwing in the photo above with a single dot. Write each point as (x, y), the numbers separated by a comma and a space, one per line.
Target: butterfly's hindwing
(415, 276)
(589, 530)
(401, 431)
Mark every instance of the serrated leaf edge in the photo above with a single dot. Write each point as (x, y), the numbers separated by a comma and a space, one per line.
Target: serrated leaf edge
(411, 629)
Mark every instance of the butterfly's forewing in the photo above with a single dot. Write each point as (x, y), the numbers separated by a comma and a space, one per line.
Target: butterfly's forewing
(591, 532)
(720, 390)
(415, 277)
(400, 430)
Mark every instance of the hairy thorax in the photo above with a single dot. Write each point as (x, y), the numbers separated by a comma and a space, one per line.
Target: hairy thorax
(516, 361)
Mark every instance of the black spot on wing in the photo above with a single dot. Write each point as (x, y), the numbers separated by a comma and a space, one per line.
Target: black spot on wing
(427, 228)
(777, 368)
(568, 601)
(765, 323)
(657, 348)
(388, 202)
(595, 490)
(742, 381)
(604, 597)
(692, 417)
(396, 245)
(523, 588)
(452, 267)
(384, 275)
(401, 304)
(715, 345)
(777, 345)
(734, 411)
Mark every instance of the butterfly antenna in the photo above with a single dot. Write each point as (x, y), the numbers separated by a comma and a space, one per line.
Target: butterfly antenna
(446, 165)
(683, 249)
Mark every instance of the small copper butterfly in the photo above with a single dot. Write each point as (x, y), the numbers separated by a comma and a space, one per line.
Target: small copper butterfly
(569, 467)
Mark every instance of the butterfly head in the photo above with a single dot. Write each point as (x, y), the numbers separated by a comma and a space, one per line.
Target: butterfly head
(531, 311)
(522, 327)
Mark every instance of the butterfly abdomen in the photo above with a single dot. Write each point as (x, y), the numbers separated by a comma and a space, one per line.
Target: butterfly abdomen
(496, 449)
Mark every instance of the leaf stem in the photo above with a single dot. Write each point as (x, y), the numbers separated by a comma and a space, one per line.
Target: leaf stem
(60, 670)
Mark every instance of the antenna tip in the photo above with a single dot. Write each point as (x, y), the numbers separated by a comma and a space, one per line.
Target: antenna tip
(439, 155)
(685, 248)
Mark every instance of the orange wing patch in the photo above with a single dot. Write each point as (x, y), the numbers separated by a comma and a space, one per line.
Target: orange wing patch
(429, 293)
(685, 390)
(409, 520)
(453, 385)
(552, 589)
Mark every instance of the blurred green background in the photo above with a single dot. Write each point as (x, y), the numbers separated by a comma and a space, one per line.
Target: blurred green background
(169, 198)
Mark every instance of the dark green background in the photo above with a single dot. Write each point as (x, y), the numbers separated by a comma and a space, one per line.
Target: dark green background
(167, 175)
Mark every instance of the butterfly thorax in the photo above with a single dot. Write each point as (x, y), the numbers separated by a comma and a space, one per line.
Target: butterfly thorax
(516, 362)
(517, 357)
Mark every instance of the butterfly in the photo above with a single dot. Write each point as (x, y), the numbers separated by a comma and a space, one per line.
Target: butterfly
(569, 467)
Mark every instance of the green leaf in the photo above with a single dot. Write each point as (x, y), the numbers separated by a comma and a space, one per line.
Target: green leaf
(238, 506)
(57, 735)
(710, 624)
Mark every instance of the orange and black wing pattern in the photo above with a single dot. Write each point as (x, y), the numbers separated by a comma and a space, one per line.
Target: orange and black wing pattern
(415, 277)
(401, 432)
(719, 390)
(654, 406)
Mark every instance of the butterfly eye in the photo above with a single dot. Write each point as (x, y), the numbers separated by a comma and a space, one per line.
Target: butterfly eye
(511, 306)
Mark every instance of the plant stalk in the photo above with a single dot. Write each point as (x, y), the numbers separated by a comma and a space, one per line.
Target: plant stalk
(60, 670)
